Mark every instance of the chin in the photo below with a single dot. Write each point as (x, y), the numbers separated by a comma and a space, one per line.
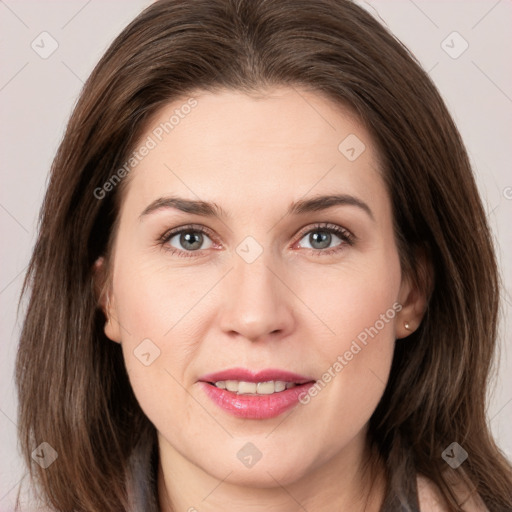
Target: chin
(278, 468)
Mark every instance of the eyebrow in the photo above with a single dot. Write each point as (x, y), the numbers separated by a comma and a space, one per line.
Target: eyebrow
(324, 202)
(302, 206)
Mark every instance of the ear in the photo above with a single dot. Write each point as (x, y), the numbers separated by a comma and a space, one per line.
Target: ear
(414, 295)
(104, 295)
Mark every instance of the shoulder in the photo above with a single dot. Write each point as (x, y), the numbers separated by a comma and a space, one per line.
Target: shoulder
(430, 499)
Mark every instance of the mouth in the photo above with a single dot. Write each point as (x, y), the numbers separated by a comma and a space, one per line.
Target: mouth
(262, 395)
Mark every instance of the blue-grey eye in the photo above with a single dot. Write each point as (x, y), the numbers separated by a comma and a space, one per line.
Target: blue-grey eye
(321, 238)
(189, 240)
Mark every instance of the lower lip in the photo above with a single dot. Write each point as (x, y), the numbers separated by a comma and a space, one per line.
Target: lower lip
(256, 407)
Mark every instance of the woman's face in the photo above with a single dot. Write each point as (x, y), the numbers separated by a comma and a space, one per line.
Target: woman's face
(229, 268)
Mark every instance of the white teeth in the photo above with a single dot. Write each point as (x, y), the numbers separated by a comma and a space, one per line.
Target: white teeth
(267, 388)
(232, 385)
(280, 385)
(245, 388)
(254, 388)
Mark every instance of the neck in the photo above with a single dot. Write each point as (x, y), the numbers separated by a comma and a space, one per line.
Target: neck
(344, 482)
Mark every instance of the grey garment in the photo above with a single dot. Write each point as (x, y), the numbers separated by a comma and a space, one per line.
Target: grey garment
(142, 476)
(142, 483)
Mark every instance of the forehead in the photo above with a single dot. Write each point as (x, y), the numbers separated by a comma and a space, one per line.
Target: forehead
(278, 146)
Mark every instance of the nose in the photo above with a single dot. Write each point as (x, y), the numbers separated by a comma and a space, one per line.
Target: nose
(257, 303)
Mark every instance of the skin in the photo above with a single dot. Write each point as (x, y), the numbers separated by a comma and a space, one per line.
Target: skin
(295, 307)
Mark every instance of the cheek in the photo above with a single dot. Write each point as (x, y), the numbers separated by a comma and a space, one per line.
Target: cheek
(153, 299)
(358, 308)
(152, 305)
(351, 299)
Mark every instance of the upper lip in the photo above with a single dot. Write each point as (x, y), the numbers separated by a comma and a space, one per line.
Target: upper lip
(243, 374)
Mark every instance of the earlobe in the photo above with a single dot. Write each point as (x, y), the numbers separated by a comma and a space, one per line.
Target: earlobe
(103, 293)
(413, 309)
(414, 296)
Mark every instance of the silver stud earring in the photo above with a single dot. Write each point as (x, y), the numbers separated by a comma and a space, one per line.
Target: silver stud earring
(407, 326)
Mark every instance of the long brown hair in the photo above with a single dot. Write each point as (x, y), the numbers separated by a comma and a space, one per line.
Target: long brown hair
(74, 392)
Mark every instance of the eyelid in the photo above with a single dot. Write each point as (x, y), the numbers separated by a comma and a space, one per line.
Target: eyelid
(341, 231)
(187, 227)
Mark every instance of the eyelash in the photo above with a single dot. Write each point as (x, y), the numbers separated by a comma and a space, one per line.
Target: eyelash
(346, 237)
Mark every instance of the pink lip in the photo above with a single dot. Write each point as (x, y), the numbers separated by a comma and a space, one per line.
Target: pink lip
(261, 376)
(251, 406)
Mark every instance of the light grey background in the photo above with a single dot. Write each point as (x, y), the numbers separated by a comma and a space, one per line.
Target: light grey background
(37, 95)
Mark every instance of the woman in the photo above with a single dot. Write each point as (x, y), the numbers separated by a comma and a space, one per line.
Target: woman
(264, 278)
